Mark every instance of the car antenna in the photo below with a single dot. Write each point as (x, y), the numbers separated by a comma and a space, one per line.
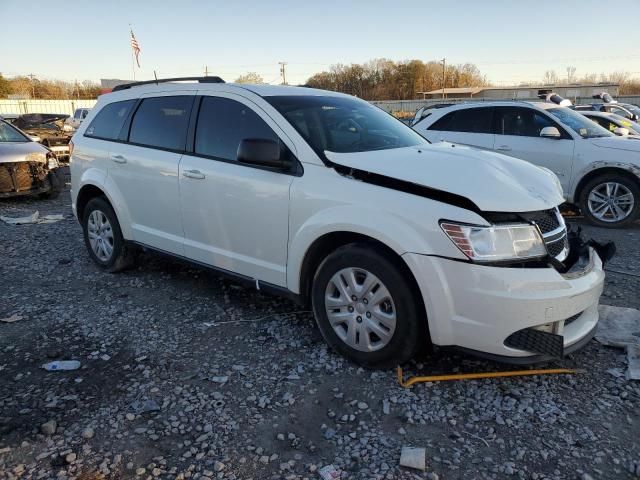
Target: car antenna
(156, 77)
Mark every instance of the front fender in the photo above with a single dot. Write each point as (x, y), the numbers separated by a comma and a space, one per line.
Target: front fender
(600, 165)
(393, 231)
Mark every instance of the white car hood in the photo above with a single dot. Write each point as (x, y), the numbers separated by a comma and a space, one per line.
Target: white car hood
(629, 144)
(493, 182)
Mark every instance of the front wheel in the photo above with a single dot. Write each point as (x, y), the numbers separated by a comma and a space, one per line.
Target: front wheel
(611, 200)
(366, 308)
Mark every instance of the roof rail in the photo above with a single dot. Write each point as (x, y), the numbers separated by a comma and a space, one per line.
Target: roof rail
(125, 86)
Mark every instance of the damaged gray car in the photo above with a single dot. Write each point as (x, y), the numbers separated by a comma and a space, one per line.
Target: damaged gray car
(26, 167)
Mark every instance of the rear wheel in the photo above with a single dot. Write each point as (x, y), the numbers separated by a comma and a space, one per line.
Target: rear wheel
(611, 200)
(366, 309)
(103, 237)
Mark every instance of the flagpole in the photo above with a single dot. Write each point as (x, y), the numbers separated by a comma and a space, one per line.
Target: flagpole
(133, 64)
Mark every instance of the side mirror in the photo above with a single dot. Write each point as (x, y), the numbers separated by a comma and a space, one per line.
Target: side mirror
(262, 152)
(621, 131)
(550, 132)
(417, 117)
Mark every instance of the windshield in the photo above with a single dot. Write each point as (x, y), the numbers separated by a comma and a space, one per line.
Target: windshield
(10, 134)
(632, 108)
(633, 127)
(343, 124)
(579, 123)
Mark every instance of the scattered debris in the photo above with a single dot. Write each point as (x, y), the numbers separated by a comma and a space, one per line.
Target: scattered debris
(329, 472)
(633, 359)
(88, 433)
(61, 365)
(49, 428)
(620, 327)
(414, 457)
(221, 379)
(139, 406)
(33, 218)
(13, 318)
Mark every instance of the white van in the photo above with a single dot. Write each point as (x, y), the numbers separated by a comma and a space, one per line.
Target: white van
(328, 200)
(78, 116)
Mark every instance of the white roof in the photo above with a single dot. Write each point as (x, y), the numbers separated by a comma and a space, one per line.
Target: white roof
(265, 90)
(261, 90)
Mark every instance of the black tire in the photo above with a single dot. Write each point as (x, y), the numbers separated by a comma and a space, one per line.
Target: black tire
(56, 181)
(411, 325)
(122, 256)
(632, 185)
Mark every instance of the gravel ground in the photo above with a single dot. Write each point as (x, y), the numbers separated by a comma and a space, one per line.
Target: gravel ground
(244, 387)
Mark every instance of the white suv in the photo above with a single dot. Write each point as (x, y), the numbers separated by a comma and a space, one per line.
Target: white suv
(328, 200)
(599, 171)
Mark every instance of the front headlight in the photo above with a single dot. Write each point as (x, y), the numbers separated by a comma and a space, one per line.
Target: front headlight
(36, 157)
(497, 242)
(52, 161)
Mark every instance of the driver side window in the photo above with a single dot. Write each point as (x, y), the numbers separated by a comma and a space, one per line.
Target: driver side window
(223, 123)
(521, 122)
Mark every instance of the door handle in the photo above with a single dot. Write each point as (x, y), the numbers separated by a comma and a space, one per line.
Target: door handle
(193, 174)
(118, 159)
(503, 148)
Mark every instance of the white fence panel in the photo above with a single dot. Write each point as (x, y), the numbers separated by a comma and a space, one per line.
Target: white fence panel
(65, 107)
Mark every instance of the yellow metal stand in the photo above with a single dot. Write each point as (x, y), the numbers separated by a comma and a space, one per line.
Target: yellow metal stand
(410, 381)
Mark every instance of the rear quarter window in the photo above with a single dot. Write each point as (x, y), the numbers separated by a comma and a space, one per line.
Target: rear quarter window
(109, 121)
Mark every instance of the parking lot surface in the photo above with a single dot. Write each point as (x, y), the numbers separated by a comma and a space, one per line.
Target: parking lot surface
(240, 385)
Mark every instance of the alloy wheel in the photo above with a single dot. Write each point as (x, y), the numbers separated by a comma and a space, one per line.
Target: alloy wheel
(610, 202)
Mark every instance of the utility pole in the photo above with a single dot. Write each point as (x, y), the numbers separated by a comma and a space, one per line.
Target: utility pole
(444, 61)
(206, 71)
(282, 72)
(33, 88)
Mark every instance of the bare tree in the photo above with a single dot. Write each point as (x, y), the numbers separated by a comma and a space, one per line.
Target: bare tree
(250, 77)
(550, 77)
(571, 72)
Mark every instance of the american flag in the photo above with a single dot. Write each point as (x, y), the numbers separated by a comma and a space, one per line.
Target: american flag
(136, 48)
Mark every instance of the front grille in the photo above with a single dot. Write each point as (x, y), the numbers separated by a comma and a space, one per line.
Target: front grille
(556, 248)
(547, 220)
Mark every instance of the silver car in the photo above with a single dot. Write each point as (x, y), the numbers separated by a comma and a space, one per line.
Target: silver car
(26, 167)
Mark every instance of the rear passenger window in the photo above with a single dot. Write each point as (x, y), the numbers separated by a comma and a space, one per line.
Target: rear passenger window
(223, 123)
(162, 122)
(108, 122)
(469, 120)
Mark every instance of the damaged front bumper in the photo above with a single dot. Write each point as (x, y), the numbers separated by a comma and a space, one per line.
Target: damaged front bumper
(26, 178)
(513, 314)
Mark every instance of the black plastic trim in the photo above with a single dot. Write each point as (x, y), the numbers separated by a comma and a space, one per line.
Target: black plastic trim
(126, 86)
(267, 287)
(530, 360)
